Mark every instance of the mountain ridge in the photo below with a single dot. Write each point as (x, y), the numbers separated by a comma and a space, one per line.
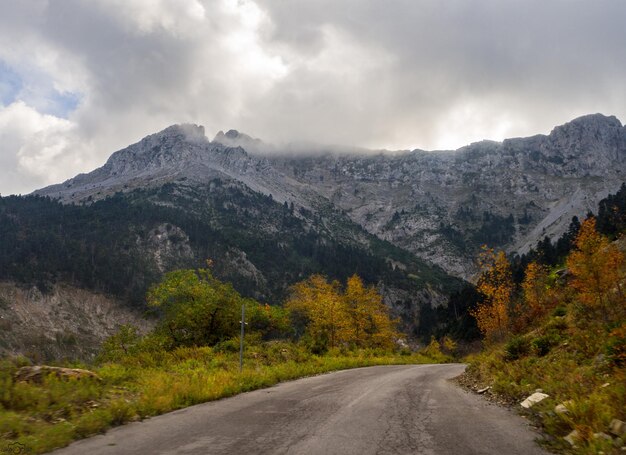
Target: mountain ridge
(439, 205)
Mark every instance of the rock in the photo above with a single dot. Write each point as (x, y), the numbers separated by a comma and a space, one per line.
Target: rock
(617, 427)
(561, 409)
(38, 372)
(533, 399)
(481, 391)
(587, 157)
(572, 438)
(538, 390)
(599, 360)
(606, 384)
(618, 442)
(603, 436)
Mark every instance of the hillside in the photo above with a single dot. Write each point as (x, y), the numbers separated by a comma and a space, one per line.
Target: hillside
(267, 217)
(559, 336)
(121, 245)
(441, 206)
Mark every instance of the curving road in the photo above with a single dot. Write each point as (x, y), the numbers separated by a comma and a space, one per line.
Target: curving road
(410, 409)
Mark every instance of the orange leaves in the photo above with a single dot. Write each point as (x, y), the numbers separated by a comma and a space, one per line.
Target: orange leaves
(535, 290)
(598, 269)
(496, 286)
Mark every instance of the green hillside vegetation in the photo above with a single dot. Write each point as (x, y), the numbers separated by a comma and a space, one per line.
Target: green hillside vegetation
(192, 356)
(259, 245)
(561, 329)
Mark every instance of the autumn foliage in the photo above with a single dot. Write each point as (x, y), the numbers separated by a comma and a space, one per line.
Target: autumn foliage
(334, 317)
(496, 287)
(594, 278)
(597, 267)
(538, 297)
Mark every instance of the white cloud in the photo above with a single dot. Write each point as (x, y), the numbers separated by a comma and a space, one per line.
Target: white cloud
(36, 148)
(412, 73)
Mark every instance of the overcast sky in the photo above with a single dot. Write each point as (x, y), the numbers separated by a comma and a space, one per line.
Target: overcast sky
(80, 79)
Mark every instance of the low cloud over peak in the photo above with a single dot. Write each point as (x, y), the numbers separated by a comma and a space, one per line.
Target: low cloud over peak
(79, 80)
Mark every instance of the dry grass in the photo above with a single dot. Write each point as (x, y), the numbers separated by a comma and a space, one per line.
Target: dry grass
(52, 414)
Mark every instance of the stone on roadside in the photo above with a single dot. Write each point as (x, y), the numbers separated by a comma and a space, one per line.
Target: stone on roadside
(603, 436)
(617, 427)
(572, 438)
(561, 409)
(481, 391)
(534, 399)
(38, 372)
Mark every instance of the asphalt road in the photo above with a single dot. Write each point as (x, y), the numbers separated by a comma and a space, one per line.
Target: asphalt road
(378, 410)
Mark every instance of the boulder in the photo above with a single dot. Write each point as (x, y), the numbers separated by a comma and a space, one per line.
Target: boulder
(602, 436)
(38, 372)
(534, 399)
(572, 438)
(617, 427)
(563, 408)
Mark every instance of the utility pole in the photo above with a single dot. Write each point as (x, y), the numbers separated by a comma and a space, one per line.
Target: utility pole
(243, 323)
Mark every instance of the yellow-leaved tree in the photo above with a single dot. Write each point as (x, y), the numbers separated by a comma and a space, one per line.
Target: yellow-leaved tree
(357, 317)
(319, 303)
(597, 267)
(496, 286)
(536, 291)
(371, 325)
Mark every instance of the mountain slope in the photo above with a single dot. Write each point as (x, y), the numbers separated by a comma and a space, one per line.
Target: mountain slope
(440, 206)
(122, 244)
(443, 205)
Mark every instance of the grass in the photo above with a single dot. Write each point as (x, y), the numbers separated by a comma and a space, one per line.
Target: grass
(570, 361)
(45, 416)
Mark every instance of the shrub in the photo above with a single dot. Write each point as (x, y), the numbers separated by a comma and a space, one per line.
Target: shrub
(616, 346)
(559, 311)
(227, 346)
(515, 348)
(542, 345)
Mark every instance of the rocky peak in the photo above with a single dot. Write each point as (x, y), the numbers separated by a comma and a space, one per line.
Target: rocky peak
(234, 138)
(589, 129)
(589, 123)
(234, 134)
(186, 131)
(590, 142)
(174, 143)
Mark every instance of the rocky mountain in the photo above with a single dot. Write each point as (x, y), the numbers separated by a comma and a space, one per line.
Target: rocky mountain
(441, 206)
(119, 245)
(269, 216)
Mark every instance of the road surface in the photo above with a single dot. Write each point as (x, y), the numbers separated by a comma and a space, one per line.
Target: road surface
(410, 409)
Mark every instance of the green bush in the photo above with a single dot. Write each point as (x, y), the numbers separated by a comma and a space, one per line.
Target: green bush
(559, 311)
(542, 345)
(227, 346)
(516, 348)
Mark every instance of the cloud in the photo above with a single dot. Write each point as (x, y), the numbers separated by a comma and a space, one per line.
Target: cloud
(87, 78)
(43, 144)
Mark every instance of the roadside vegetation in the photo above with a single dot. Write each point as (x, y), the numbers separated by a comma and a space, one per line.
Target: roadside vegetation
(559, 330)
(192, 356)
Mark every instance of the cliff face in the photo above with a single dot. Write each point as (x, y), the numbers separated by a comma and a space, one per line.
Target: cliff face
(443, 205)
(64, 322)
(440, 205)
